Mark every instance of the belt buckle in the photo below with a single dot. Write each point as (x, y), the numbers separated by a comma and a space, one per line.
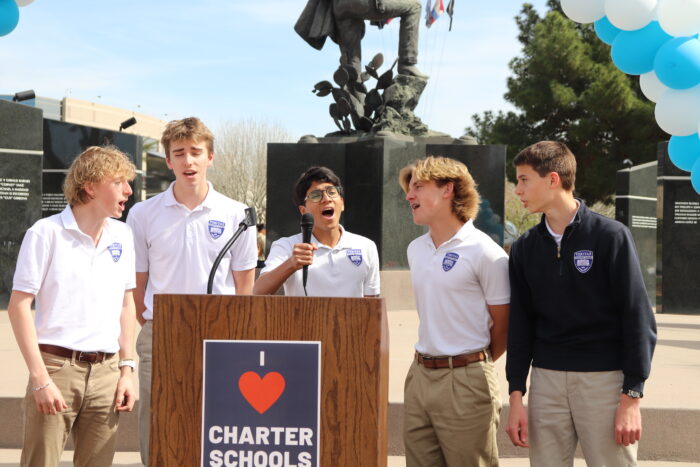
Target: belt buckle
(427, 361)
(81, 353)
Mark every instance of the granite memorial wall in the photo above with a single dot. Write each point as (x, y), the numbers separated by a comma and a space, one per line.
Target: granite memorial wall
(20, 183)
(678, 238)
(64, 141)
(635, 206)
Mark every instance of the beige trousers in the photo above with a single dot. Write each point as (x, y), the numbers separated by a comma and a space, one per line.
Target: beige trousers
(567, 407)
(89, 390)
(144, 348)
(451, 416)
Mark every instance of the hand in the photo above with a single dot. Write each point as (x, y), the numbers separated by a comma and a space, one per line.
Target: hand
(126, 395)
(302, 255)
(517, 421)
(140, 319)
(49, 400)
(628, 421)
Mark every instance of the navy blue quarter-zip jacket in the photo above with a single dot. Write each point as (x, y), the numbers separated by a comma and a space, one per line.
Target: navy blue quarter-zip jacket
(580, 307)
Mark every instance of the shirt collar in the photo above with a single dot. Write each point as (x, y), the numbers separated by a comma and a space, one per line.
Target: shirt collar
(462, 234)
(68, 219)
(342, 242)
(69, 223)
(169, 197)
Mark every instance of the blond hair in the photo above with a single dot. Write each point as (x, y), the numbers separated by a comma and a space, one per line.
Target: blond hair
(190, 128)
(443, 170)
(95, 165)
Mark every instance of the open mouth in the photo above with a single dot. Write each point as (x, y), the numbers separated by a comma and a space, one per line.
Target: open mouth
(190, 173)
(328, 213)
(122, 204)
(414, 206)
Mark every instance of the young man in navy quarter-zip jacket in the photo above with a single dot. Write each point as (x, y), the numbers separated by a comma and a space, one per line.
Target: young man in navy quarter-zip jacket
(581, 317)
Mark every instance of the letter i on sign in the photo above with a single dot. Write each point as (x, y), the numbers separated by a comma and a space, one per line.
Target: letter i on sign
(262, 358)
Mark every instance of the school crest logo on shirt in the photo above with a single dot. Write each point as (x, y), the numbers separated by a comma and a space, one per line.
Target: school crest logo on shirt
(583, 260)
(115, 249)
(449, 261)
(216, 229)
(355, 256)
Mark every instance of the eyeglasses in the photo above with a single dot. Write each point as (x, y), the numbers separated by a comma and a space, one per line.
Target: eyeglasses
(317, 195)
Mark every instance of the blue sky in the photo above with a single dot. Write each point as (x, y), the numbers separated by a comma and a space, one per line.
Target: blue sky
(226, 60)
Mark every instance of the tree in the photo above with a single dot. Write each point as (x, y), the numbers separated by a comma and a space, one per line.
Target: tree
(565, 87)
(240, 161)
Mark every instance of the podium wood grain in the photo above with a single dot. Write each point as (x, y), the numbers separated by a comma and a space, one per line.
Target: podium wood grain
(354, 368)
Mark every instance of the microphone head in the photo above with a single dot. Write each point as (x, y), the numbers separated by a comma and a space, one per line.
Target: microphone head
(250, 219)
(307, 221)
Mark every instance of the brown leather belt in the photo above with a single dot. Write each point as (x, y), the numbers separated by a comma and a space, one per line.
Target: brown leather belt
(444, 362)
(89, 357)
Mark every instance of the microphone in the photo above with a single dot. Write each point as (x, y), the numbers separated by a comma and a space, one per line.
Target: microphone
(249, 220)
(307, 225)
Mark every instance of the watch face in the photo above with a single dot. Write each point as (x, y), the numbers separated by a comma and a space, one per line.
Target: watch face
(635, 394)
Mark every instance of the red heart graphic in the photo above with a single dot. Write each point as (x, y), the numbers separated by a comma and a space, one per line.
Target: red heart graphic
(261, 393)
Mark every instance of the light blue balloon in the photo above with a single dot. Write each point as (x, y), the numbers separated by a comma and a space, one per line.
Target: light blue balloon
(605, 30)
(633, 52)
(695, 176)
(677, 63)
(9, 16)
(684, 151)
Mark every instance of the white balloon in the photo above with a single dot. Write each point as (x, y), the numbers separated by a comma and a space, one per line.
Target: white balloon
(630, 15)
(584, 11)
(23, 2)
(678, 111)
(680, 17)
(651, 86)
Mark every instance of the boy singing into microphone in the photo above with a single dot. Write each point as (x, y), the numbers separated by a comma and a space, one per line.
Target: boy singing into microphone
(341, 264)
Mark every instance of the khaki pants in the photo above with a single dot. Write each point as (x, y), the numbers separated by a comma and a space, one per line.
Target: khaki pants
(89, 390)
(144, 348)
(451, 416)
(566, 407)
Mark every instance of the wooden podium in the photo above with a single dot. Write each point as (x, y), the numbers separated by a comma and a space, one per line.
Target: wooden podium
(354, 368)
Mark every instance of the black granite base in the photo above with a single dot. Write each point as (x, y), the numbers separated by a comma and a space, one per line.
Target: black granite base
(679, 237)
(635, 206)
(375, 204)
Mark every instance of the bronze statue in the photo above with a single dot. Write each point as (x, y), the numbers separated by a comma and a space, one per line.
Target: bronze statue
(344, 22)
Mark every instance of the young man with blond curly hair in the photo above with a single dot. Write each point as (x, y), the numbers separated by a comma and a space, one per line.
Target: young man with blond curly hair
(79, 266)
(460, 281)
(178, 234)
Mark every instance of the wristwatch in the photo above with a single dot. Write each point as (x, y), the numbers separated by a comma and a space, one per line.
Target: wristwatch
(632, 393)
(127, 362)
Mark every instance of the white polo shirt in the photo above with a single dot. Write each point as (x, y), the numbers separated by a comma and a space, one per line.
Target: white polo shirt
(350, 269)
(79, 287)
(177, 247)
(453, 284)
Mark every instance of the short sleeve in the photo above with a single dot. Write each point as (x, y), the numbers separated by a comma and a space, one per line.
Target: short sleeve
(138, 230)
(244, 253)
(493, 275)
(32, 263)
(280, 251)
(371, 285)
(130, 276)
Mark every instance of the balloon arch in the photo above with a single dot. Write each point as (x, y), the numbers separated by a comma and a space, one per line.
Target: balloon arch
(657, 40)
